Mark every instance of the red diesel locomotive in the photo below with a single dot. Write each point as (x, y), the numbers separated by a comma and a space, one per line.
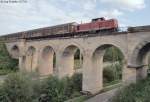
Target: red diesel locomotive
(98, 24)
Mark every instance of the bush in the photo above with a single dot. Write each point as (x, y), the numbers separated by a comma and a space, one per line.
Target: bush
(6, 62)
(77, 81)
(113, 54)
(108, 74)
(138, 92)
(73, 85)
(53, 90)
(112, 73)
(18, 87)
(5, 71)
(59, 90)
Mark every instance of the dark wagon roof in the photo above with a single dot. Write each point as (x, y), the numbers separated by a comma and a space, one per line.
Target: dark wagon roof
(38, 30)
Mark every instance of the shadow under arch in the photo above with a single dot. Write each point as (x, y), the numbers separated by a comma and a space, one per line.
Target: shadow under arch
(68, 59)
(31, 59)
(15, 52)
(139, 59)
(48, 61)
(98, 64)
(139, 53)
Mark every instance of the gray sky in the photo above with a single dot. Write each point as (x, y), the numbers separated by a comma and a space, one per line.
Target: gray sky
(32, 14)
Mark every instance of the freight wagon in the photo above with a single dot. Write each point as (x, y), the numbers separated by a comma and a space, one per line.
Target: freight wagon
(53, 30)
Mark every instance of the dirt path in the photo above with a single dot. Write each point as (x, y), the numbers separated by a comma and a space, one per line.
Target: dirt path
(104, 97)
(2, 78)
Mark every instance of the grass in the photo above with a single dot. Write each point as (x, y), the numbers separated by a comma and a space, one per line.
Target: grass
(110, 87)
(78, 99)
(139, 92)
(105, 89)
(77, 64)
(5, 72)
(7, 64)
(112, 83)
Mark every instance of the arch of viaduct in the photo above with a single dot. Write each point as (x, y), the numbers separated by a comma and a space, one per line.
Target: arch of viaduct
(134, 46)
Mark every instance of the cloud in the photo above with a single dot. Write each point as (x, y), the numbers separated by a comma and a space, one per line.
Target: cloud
(126, 4)
(89, 5)
(42, 13)
(111, 13)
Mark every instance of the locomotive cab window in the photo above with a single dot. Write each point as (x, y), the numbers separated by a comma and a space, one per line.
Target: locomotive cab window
(78, 27)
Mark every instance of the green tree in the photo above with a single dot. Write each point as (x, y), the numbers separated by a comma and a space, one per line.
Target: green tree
(59, 90)
(6, 62)
(113, 54)
(138, 92)
(17, 87)
(53, 90)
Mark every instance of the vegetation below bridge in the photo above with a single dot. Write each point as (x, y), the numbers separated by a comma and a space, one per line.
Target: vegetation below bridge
(139, 92)
(7, 64)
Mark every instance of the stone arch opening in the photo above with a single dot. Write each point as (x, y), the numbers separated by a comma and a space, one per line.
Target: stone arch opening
(31, 59)
(72, 60)
(48, 61)
(107, 70)
(23, 63)
(140, 59)
(15, 52)
(78, 61)
(142, 54)
(148, 60)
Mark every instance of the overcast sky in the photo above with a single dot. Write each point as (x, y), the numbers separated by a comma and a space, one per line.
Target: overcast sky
(15, 17)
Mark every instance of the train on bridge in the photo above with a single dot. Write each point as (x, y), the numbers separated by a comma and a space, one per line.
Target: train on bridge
(96, 25)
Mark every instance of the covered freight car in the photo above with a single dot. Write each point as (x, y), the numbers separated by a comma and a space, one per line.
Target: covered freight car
(53, 30)
(41, 32)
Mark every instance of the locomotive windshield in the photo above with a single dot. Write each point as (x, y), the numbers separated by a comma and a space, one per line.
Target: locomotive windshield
(98, 19)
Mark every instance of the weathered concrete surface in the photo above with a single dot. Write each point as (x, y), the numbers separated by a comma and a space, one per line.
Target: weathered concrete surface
(104, 97)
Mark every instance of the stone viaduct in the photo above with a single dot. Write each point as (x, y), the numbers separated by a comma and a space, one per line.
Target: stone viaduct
(37, 55)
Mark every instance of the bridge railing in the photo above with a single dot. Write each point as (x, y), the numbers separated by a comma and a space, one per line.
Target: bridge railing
(123, 29)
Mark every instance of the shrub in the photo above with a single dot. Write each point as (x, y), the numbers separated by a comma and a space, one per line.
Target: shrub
(108, 74)
(113, 54)
(3, 95)
(21, 87)
(77, 81)
(6, 62)
(73, 85)
(112, 73)
(59, 90)
(17, 87)
(138, 92)
(53, 90)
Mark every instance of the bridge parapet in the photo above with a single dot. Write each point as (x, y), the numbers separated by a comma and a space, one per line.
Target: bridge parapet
(139, 29)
